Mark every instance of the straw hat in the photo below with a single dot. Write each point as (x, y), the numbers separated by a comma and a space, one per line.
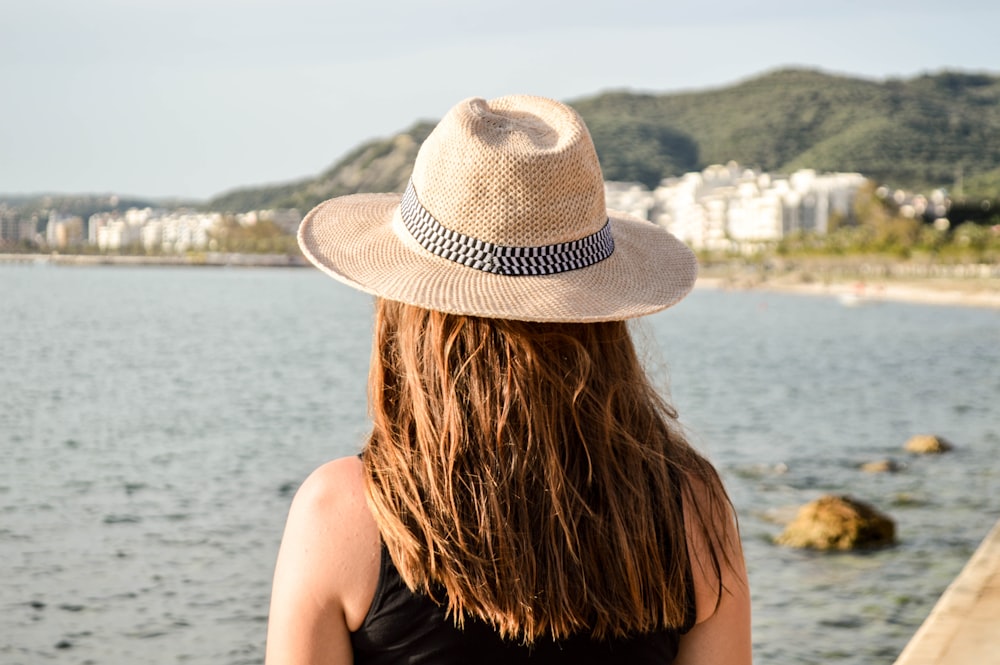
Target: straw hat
(503, 217)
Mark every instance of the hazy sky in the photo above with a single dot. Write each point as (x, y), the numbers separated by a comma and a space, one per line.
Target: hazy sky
(195, 97)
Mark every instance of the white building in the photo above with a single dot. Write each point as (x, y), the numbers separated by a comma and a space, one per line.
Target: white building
(173, 232)
(63, 232)
(187, 231)
(10, 226)
(153, 230)
(729, 208)
(118, 234)
(628, 197)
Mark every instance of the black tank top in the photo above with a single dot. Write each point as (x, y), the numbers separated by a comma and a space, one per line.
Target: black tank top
(405, 627)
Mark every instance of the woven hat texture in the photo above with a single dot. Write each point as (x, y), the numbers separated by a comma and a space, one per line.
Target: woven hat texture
(504, 217)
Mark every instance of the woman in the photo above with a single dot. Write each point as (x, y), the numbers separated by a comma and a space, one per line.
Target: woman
(525, 495)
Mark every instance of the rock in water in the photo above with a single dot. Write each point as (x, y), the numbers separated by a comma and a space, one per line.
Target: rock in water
(838, 523)
(927, 444)
(880, 466)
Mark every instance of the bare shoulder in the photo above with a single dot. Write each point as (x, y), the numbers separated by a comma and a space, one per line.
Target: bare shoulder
(711, 528)
(335, 485)
(330, 516)
(722, 626)
(327, 566)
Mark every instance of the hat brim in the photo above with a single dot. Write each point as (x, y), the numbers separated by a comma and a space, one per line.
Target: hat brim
(354, 240)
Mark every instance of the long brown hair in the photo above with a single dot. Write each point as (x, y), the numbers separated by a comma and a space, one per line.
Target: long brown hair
(528, 474)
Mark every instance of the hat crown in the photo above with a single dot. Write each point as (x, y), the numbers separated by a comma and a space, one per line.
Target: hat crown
(504, 217)
(515, 171)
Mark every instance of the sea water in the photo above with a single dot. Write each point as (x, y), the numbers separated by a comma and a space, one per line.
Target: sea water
(155, 423)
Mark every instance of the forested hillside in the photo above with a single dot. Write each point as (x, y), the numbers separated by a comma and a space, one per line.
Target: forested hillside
(382, 165)
(930, 131)
(940, 130)
(937, 130)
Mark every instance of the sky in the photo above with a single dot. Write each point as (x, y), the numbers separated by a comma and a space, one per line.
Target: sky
(192, 98)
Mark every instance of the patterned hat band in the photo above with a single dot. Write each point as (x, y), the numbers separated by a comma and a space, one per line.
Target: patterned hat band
(501, 259)
(517, 170)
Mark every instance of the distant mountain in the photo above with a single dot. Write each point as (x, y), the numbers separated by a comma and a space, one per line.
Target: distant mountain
(934, 130)
(930, 131)
(382, 165)
(84, 205)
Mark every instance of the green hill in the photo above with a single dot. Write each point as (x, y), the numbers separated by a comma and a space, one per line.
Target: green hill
(935, 130)
(382, 165)
(84, 205)
(929, 131)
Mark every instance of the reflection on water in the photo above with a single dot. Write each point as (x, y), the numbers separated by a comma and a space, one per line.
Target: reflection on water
(154, 424)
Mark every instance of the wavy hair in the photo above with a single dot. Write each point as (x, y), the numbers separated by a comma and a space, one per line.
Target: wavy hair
(528, 474)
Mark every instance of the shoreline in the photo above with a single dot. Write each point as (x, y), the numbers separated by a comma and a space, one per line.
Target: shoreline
(211, 259)
(852, 283)
(872, 293)
(965, 285)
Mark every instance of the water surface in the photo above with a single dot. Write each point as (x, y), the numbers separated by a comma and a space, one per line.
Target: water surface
(155, 422)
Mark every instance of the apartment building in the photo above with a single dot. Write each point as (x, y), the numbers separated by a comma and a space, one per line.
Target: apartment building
(729, 208)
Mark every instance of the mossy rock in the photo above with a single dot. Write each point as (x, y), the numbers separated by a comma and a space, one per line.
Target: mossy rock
(927, 444)
(838, 523)
(881, 466)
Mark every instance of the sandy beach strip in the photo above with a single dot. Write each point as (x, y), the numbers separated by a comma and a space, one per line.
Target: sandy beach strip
(829, 279)
(223, 259)
(853, 289)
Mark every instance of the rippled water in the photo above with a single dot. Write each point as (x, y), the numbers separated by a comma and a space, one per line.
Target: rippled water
(154, 424)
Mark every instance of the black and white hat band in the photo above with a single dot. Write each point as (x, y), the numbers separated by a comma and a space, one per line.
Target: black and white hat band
(500, 259)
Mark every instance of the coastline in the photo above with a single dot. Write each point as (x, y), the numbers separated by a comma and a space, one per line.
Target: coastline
(213, 259)
(964, 285)
(853, 283)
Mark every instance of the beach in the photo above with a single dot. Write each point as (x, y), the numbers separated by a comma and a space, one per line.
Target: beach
(852, 281)
(855, 284)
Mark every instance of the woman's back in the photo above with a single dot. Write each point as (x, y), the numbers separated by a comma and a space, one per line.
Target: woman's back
(336, 590)
(406, 627)
(524, 489)
(529, 474)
